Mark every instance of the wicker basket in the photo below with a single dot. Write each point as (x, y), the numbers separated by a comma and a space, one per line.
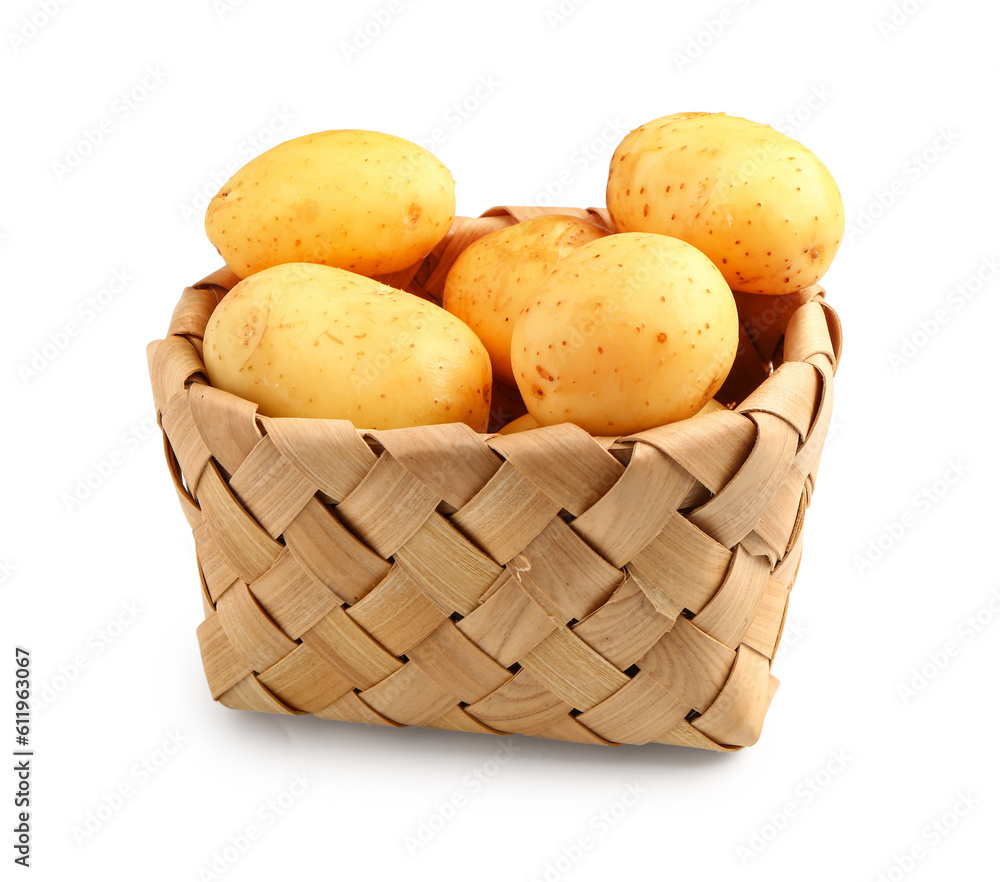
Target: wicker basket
(550, 583)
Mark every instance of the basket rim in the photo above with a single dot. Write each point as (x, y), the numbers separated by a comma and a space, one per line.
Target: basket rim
(223, 279)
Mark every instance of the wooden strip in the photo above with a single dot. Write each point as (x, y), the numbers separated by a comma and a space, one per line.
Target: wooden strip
(737, 715)
(568, 728)
(733, 511)
(410, 696)
(253, 635)
(330, 554)
(218, 574)
(777, 523)
(457, 664)
(762, 634)
(245, 546)
(250, 694)
(352, 709)
(270, 488)
(457, 720)
(397, 613)
(563, 574)
(625, 627)
(172, 362)
(507, 624)
(564, 462)
(522, 704)
(450, 459)
(292, 596)
(304, 681)
(637, 713)
(224, 666)
(185, 440)
(227, 423)
(345, 646)
(506, 515)
(792, 393)
(808, 334)
(685, 735)
(451, 571)
(330, 453)
(689, 663)
(680, 567)
(712, 447)
(387, 507)
(572, 670)
(727, 616)
(636, 509)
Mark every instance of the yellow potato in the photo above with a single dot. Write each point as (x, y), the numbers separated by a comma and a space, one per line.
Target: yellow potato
(303, 340)
(521, 424)
(629, 332)
(759, 204)
(526, 422)
(362, 201)
(494, 277)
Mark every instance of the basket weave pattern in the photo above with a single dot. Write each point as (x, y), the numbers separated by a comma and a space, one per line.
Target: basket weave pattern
(551, 583)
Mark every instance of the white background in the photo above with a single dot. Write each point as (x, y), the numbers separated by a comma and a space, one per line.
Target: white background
(899, 99)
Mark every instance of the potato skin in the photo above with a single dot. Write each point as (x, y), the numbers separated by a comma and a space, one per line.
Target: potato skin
(363, 201)
(493, 278)
(759, 204)
(629, 332)
(303, 340)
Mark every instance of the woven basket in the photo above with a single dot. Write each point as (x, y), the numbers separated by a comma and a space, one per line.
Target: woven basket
(551, 583)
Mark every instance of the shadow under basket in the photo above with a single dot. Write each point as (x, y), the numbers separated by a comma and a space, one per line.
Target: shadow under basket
(550, 583)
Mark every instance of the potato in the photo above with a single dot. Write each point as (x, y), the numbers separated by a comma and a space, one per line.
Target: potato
(521, 424)
(362, 201)
(494, 277)
(303, 340)
(629, 332)
(526, 422)
(760, 205)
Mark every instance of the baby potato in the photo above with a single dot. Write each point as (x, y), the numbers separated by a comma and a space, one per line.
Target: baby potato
(629, 332)
(304, 340)
(494, 277)
(521, 424)
(759, 204)
(361, 201)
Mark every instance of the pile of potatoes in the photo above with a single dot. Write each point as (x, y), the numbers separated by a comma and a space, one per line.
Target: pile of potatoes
(616, 332)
